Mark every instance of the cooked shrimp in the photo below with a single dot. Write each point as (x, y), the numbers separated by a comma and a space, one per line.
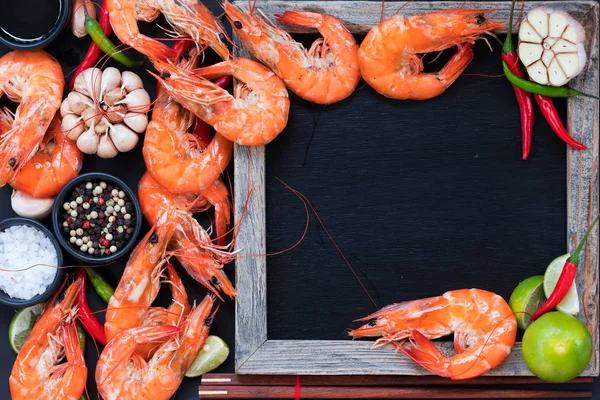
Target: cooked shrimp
(130, 306)
(37, 373)
(389, 55)
(190, 244)
(57, 161)
(483, 324)
(172, 154)
(253, 116)
(35, 80)
(122, 374)
(328, 72)
(187, 17)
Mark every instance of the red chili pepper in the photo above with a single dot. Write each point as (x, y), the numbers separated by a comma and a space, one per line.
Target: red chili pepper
(565, 280)
(87, 318)
(549, 112)
(94, 52)
(524, 100)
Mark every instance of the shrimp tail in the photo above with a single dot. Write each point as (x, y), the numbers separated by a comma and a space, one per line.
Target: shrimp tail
(216, 70)
(457, 64)
(422, 351)
(301, 18)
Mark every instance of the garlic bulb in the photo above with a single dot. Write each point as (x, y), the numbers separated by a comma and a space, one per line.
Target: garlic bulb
(551, 46)
(106, 111)
(28, 206)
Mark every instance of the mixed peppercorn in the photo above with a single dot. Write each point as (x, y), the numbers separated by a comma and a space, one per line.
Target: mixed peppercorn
(99, 218)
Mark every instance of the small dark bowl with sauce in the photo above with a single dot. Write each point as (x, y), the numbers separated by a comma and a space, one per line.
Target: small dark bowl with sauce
(33, 24)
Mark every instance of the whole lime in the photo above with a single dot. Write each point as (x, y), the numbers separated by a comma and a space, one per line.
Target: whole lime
(527, 297)
(557, 347)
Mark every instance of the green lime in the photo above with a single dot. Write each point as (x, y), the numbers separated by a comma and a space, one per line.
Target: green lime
(527, 297)
(213, 354)
(557, 347)
(21, 325)
(570, 304)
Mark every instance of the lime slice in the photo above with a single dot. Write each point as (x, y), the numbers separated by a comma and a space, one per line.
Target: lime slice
(570, 304)
(21, 325)
(527, 297)
(213, 354)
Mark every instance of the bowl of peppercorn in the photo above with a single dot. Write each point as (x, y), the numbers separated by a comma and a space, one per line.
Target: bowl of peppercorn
(96, 218)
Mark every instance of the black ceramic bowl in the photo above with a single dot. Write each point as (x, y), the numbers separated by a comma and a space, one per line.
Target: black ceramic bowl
(57, 212)
(20, 303)
(64, 18)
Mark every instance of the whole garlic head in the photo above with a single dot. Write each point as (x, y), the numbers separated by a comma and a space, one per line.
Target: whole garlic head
(105, 111)
(551, 46)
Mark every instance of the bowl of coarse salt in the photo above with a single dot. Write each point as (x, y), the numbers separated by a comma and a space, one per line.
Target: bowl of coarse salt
(30, 261)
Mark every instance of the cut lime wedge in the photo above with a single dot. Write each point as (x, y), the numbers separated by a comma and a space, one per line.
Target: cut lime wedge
(213, 354)
(21, 325)
(570, 304)
(527, 297)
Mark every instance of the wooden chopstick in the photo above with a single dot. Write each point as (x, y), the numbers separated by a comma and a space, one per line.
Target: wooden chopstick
(362, 380)
(382, 392)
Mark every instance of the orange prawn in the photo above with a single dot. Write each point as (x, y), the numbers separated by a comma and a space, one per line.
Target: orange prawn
(326, 73)
(483, 324)
(37, 373)
(389, 55)
(190, 244)
(35, 80)
(56, 162)
(256, 113)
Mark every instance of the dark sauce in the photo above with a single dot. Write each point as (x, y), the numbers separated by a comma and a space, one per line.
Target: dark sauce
(28, 20)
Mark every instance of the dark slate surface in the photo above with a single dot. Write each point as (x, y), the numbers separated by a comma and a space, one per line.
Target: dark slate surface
(422, 197)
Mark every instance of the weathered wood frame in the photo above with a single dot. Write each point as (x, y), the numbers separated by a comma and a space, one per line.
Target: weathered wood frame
(256, 354)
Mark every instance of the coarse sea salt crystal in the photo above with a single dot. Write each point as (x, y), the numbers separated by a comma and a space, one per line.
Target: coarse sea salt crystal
(21, 247)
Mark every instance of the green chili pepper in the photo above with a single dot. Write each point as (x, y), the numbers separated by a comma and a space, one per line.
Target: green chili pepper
(97, 34)
(536, 88)
(81, 335)
(103, 288)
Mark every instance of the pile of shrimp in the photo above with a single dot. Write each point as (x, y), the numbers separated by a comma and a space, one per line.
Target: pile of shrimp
(150, 348)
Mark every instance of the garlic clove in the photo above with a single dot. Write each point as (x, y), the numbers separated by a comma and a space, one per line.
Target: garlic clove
(65, 108)
(530, 53)
(78, 18)
(28, 206)
(116, 114)
(106, 148)
(112, 96)
(89, 82)
(101, 126)
(123, 138)
(73, 126)
(538, 18)
(557, 24)
(551, 46)
(131, 81)
(90, 116)
(79, 102)
(88, 141)
(564, 46)
(538, 72)
(136, 121)
(137, 101)
(556, 75)
(529, 34)
(111, 79)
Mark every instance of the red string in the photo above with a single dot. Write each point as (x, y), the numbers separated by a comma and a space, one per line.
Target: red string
(297, 390)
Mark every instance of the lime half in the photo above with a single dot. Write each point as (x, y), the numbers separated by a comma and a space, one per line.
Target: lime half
(570, 304)
(527, 297)
(21, 325)
(213, 354)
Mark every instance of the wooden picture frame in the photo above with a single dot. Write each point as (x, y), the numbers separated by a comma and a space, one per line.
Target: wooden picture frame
(255, 353)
